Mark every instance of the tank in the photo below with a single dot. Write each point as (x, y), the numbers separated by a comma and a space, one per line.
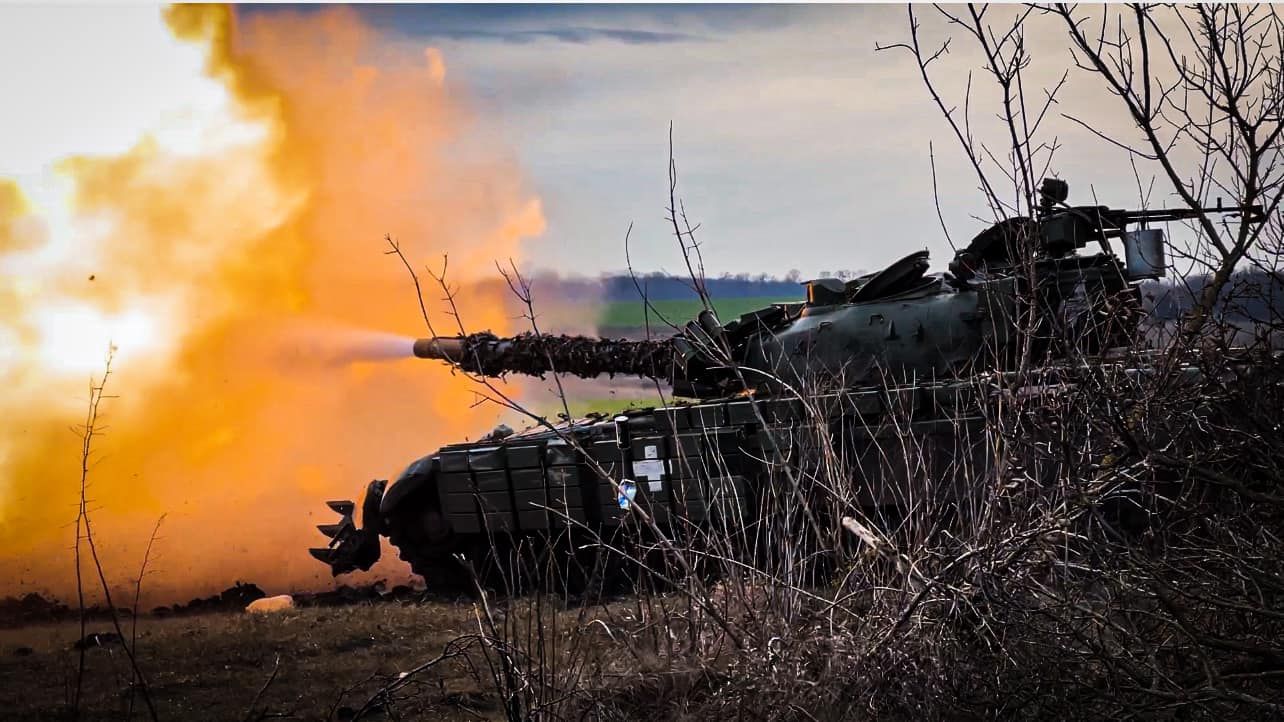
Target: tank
(901, 342)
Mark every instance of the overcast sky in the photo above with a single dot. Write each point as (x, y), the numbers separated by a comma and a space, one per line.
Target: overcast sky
(798, 145)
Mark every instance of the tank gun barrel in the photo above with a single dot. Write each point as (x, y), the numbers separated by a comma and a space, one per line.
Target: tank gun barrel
(535, 355)
(440, 348)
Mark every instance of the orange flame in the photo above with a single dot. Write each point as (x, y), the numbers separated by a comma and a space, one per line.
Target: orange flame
(211, 265)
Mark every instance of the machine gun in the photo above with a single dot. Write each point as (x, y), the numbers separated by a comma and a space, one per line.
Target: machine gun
(1058, 229)
(1065, 228)
(1054, 192)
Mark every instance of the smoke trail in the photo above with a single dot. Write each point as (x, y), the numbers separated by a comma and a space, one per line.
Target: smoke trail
(332, 346)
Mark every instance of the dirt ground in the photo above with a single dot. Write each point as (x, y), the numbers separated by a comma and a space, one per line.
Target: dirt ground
(211, 666)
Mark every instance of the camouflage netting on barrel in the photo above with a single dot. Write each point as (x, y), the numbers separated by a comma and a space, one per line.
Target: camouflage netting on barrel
(583, 356)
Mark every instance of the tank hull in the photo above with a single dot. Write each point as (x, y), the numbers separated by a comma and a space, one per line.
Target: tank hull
(722, 466)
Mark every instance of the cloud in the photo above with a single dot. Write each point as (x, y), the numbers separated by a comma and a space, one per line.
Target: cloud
(424, 20)
(798, 144)
(577, 35)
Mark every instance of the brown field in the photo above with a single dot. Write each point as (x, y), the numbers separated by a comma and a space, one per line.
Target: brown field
(211, 666)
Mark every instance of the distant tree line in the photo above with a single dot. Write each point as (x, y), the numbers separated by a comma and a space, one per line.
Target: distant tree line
(664, 287)
(660, 286)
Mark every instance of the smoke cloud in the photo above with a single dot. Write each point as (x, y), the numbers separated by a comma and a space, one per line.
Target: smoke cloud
(230, 244)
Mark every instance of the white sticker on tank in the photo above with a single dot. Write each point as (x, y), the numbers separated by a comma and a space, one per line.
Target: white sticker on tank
(655, 485)
(651, 452)
(648, 469)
